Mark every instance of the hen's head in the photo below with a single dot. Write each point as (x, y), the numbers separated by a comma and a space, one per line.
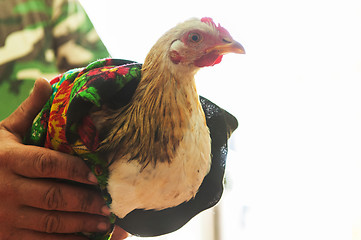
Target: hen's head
(194, 44)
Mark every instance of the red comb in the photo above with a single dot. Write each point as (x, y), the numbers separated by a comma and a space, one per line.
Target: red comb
(210, 22)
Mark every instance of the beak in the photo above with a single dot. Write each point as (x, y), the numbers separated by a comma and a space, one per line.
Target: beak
(228, 47)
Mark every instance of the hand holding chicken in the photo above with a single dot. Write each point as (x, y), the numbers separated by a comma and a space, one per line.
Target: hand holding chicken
(141, 128)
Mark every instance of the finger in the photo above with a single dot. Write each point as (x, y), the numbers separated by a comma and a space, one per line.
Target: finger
(46, 163)
(22, 118)
(51, 195)
(61, 222)
(119, 233)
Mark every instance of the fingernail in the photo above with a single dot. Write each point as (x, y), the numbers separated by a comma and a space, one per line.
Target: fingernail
(92, 178)
(105, 210)
(103, 226)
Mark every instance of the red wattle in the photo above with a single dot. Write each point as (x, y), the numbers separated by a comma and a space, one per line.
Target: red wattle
(208, 60)
(218, 60)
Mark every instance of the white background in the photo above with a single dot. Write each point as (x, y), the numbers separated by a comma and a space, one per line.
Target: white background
(294, 163)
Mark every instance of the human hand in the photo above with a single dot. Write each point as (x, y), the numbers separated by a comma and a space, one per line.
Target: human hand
(45, 194)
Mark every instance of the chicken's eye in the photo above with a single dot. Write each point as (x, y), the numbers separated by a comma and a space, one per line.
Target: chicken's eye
(195, 37)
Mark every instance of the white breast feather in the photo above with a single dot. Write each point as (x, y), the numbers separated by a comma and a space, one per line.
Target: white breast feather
(167, 185)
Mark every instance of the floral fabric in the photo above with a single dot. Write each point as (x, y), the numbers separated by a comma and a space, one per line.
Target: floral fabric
(64, 124)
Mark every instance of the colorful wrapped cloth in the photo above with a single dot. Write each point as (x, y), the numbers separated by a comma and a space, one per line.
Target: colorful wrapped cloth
(56, 126)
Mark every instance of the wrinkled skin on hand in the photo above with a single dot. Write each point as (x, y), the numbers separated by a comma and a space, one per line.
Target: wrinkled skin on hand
(45, 194)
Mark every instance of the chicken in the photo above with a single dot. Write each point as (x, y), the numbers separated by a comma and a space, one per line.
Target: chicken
(150, 147)
(160, 140)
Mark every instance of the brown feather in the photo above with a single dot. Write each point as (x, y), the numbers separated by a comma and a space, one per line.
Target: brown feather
(150, 127)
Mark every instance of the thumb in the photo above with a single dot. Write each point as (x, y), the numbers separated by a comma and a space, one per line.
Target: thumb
(22, 118)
